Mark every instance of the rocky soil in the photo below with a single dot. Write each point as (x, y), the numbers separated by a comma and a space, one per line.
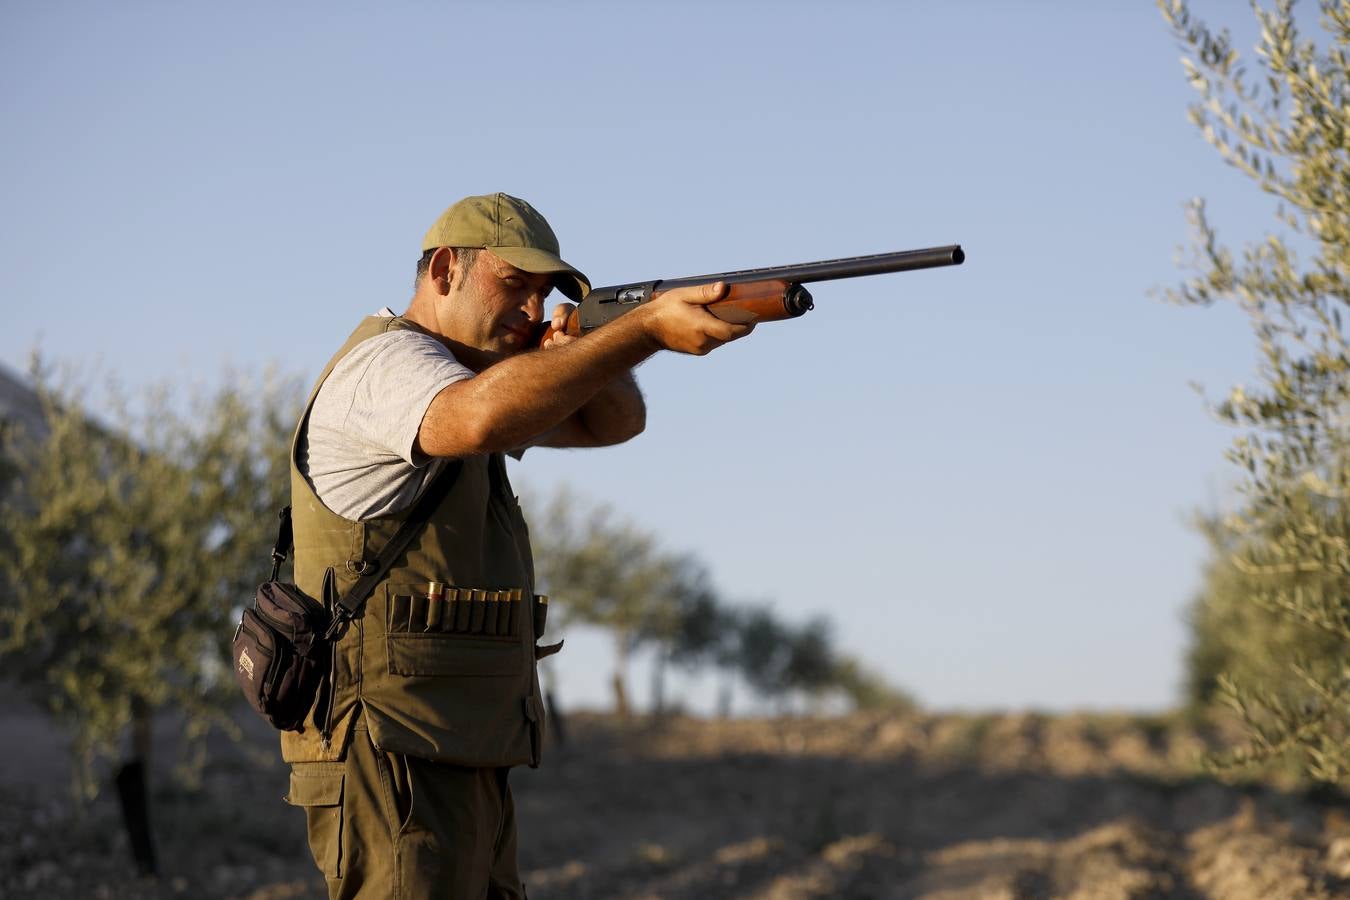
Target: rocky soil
(918, 806)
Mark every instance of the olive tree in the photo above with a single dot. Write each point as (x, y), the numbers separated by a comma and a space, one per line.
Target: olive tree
(134, 532)
(1285, 554)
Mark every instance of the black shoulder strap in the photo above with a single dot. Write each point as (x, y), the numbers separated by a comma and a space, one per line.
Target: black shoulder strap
(349, 605)
(285, 541)
(344, 608)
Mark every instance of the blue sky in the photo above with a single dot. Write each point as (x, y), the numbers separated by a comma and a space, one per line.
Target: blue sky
(983, 474)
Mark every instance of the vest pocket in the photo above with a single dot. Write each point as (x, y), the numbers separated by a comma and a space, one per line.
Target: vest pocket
(450, 695)
(451, 655)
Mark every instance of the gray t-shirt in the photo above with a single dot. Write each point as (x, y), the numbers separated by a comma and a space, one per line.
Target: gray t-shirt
(357, 451)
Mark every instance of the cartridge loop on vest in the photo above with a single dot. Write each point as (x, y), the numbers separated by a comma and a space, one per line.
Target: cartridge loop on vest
(434, 608)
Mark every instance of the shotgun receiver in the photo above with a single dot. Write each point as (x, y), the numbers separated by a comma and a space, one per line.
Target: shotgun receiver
(753, 295)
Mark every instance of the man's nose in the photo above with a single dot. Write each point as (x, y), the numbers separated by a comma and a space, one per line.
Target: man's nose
(534, 307)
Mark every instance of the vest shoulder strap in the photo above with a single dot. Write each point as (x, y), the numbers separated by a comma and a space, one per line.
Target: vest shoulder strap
(348, 605)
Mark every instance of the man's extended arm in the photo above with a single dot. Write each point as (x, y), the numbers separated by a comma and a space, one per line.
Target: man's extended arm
(617, 413)
(520, 398)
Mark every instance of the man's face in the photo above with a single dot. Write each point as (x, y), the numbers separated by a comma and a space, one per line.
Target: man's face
(494, 306)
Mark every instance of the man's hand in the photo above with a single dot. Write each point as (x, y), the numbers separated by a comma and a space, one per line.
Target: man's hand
(558, 337)
(679, 321)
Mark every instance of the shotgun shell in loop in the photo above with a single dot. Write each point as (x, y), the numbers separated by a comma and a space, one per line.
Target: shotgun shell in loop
(540, 614)
(513, 612)
(456, 615)
(476, 603)
(502, 613)
(435, 605)
(490, 611)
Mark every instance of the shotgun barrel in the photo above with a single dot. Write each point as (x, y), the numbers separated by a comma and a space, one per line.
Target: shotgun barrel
(834, 269)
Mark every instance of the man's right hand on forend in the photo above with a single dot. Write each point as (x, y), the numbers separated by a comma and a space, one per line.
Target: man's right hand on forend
(677, 320)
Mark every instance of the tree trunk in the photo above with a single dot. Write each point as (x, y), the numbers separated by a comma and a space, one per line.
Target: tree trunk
(557, 727)
(133, 792)
(659, 681)
(620, 669)
(724, 700)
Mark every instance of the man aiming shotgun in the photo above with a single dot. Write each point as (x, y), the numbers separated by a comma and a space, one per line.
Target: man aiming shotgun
(402, 765)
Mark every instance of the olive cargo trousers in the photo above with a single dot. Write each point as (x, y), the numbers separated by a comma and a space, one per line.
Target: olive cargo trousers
(383, 825)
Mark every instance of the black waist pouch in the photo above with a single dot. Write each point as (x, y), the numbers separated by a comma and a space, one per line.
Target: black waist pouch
(281, 655)
(283, 647)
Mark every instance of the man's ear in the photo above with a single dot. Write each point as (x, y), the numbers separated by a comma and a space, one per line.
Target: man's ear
(443, 271)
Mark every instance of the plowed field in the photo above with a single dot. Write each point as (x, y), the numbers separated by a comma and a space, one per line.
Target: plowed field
(921, 806)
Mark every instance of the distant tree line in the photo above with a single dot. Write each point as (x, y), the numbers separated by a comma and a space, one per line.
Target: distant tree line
(614, 575)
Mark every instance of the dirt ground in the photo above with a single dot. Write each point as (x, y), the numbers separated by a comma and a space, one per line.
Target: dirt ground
(943, 807)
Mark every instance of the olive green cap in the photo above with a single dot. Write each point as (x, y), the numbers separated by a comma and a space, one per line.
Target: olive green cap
(512, 229)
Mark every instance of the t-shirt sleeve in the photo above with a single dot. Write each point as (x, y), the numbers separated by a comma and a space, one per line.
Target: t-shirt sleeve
(386, 384)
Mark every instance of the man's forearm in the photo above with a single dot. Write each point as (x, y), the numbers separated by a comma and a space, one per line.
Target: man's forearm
(616, 413)
(523, 396)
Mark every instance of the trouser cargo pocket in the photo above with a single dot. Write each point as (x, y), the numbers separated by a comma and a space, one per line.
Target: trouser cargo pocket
(317, 788)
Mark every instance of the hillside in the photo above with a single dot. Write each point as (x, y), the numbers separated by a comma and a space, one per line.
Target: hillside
(925, 806)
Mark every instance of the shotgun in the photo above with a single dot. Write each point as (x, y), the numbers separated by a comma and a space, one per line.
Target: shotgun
(753, 295)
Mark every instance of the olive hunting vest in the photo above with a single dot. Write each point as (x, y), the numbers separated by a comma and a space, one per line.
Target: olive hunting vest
(440, 662)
